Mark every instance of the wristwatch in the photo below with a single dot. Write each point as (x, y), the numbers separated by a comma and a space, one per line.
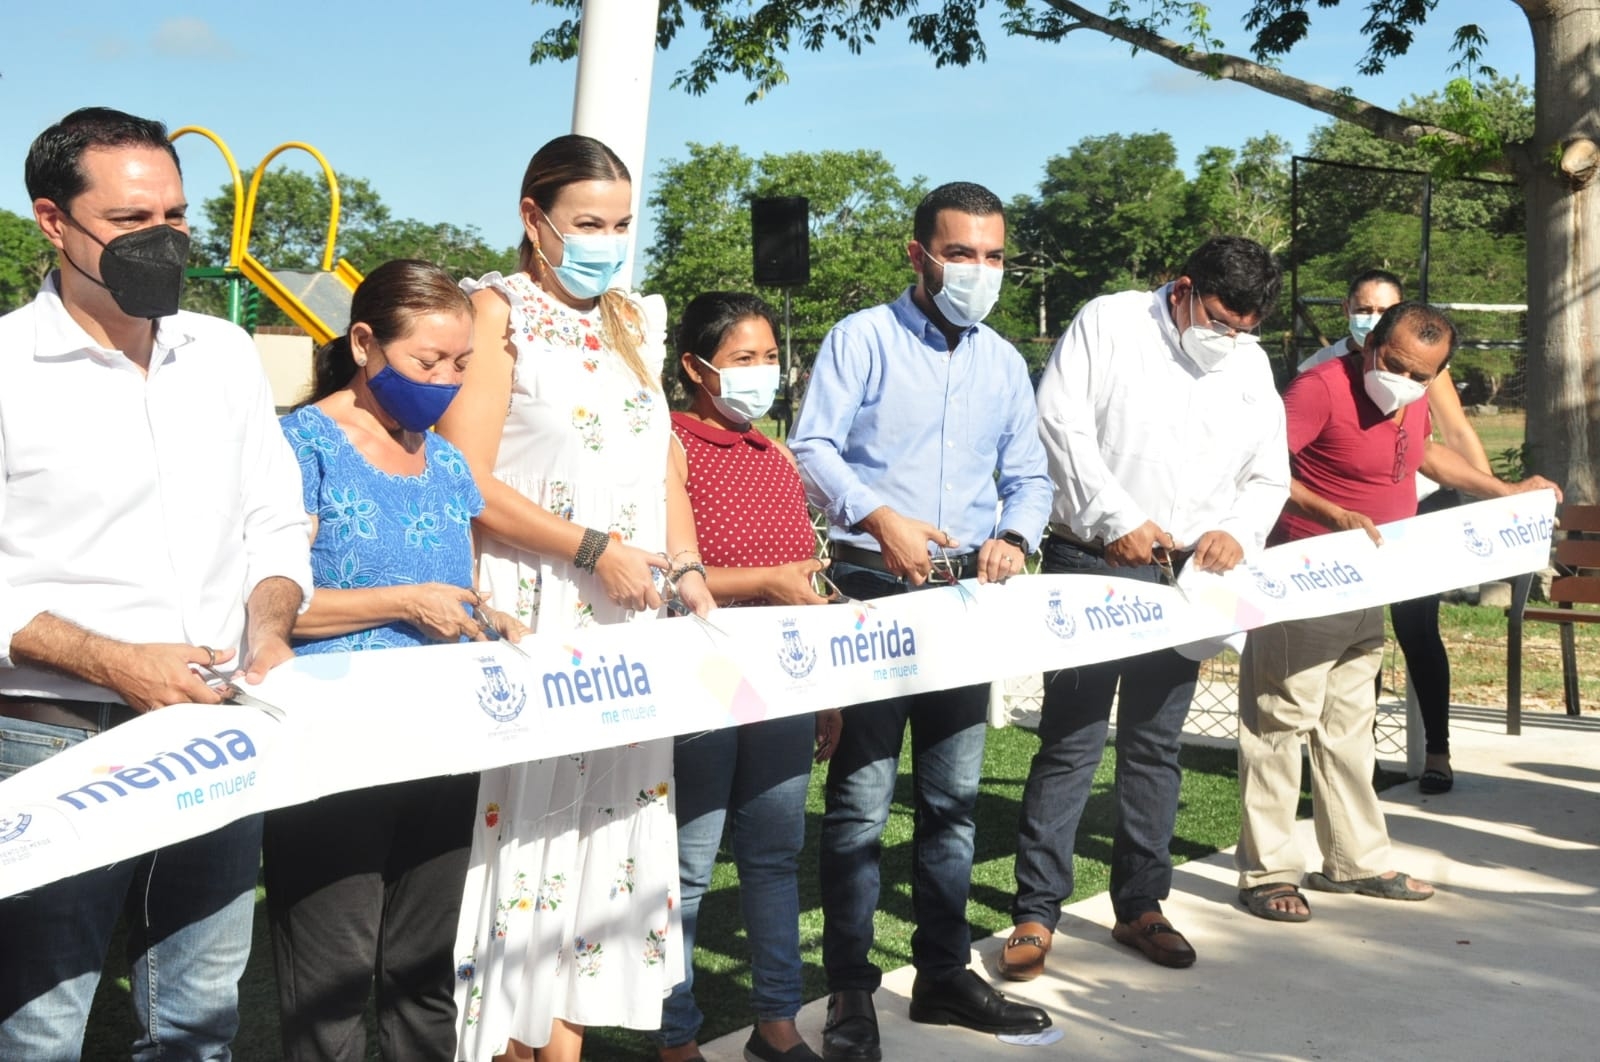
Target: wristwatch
(1011, 538)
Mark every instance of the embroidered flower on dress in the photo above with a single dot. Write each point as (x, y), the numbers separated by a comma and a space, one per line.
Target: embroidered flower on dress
(646, 797)
(348, 515)
(491, 815)
(528, 597)
(517, 900)
(655, 947)
(308, 441)
(588, 424)
(624, 526)
(639, 410)
(587, 957)
(350, 575)
(558, 498)
(450, 459)
(551, 892)
(624, 881)
(422, 529)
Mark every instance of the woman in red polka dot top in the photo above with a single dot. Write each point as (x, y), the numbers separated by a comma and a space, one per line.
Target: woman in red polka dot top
(757, 544)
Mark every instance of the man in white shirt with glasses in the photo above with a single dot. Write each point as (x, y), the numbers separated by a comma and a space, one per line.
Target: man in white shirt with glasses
(152, 535)
(1165, 437)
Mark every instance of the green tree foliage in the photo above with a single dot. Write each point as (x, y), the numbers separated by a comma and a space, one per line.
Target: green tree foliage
(1332, 198)
(860, 214)
(25, 258)
(1244, 192)
(290, 228)
(290, 231)
(1111, 213)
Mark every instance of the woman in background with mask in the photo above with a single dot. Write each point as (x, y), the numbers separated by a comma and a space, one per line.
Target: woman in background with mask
(1416, 622)
(756, 539)
(364, 884)
(568, 918)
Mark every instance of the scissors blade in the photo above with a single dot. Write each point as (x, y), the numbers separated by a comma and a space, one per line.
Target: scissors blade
(1163, 558)
(493, 635)
(232, 694)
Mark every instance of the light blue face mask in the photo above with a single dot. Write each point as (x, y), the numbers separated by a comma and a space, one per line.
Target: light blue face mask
(1361, 324)
(589, 263)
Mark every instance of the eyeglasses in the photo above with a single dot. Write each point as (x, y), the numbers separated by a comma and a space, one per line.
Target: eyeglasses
(1400, 441)
(1219, 326)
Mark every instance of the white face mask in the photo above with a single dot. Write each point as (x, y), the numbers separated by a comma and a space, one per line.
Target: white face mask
(1390, 391)
(747, 390)
(969, 292)
(1206, 346)
(1361, 324)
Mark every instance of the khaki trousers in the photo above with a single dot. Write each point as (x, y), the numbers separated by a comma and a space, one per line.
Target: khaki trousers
(1311, 680)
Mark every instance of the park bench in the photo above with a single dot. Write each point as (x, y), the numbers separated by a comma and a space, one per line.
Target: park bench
(1577, 582)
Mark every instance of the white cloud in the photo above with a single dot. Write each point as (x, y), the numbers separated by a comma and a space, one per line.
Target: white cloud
(189, 38)
(1176, 81)
(109, 48)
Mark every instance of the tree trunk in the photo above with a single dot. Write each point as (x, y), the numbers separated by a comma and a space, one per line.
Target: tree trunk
(1558, 177)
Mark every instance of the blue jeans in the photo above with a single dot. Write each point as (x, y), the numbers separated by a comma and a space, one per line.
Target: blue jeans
(1156, 689)
(947, 734)
(756, 775)
(189, 908)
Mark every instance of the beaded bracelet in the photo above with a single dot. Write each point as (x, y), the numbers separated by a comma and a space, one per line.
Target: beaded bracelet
(594, 543)
(679, 573)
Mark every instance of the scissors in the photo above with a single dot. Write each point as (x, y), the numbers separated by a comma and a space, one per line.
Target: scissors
(1163, 560)
(232, 694)
(493, 635)
(943, 568)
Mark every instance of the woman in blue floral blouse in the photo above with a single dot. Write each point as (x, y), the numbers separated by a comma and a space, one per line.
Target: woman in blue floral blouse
(363, 887)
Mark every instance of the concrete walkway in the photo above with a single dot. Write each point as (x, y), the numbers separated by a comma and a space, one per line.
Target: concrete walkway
(1504, 963)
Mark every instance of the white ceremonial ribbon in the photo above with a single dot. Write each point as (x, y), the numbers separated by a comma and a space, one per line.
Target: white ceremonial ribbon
(353, 720)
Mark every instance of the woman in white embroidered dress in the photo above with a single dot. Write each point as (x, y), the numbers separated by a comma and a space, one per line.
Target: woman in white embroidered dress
(568, 916)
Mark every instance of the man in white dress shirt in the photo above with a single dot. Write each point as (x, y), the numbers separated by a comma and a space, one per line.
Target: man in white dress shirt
(1165, 437)
(151, 526)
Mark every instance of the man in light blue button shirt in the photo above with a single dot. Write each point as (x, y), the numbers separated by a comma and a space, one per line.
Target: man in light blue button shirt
(919, 438)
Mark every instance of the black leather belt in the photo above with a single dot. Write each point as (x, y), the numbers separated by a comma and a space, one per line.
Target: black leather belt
(1093, 547)
(81, 715)
(965, 565)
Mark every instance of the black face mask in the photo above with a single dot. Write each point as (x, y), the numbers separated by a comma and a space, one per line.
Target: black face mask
(142, 270)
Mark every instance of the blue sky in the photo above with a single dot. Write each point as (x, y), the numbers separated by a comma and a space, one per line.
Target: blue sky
(437, 105)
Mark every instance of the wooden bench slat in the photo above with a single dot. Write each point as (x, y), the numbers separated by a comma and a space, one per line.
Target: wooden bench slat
(1559, 615)
(1578, 589)
(1580, 518)
(1578, 552)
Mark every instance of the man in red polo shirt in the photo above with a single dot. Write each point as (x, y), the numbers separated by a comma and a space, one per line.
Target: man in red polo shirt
(1358, 433)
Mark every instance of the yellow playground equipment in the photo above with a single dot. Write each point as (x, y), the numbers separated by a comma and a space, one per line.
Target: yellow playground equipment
(318, 300)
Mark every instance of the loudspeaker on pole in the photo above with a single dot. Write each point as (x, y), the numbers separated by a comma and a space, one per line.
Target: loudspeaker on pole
(780, 232)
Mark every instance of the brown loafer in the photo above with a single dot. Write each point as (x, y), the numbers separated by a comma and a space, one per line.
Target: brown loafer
(1152, 934)
(1022, 959)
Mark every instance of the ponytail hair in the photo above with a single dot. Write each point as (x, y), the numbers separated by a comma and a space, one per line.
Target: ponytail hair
(388, 301)
(568, 160)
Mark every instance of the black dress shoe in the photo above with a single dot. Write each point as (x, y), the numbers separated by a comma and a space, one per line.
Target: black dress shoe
(851, 1032)
(967, 1000)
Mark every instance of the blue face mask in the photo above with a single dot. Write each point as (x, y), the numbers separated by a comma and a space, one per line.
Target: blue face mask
(414, 405)
(589, 263)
